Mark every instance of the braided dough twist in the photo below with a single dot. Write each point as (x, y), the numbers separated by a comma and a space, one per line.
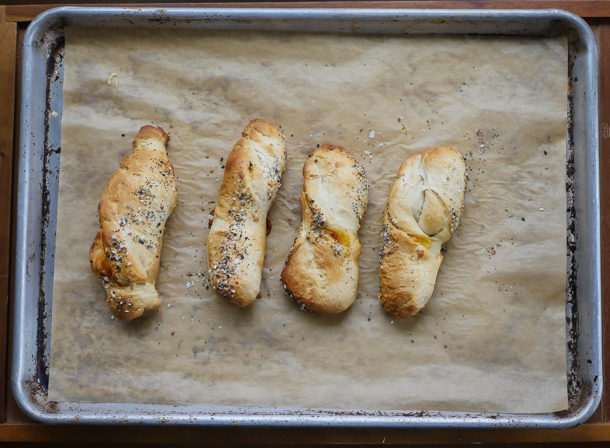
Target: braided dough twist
(422, 212)
(236, 243)
(321, 272)
(135, 205)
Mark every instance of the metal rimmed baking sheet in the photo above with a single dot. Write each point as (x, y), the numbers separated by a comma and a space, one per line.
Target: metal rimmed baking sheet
(416, 24)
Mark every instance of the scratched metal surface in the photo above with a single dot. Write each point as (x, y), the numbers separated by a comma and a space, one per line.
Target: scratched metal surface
(43, 49)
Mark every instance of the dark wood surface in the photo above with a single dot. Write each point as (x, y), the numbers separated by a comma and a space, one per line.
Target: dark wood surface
(16, 427)
(602, 30)
(8, 60)
(25, 11)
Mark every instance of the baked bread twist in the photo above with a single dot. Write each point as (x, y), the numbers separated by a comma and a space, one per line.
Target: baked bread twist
(321, 272)
(236, 243)
(135, 205)
(422, 212)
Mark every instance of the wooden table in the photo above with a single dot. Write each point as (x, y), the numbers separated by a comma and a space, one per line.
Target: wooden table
(15, 426)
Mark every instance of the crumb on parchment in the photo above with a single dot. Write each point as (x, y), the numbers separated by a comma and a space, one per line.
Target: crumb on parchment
(112, 75)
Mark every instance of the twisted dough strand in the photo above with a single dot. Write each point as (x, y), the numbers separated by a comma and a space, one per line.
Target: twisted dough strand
(422, 212)
(135, 205)
(237, 239)
(321, 272)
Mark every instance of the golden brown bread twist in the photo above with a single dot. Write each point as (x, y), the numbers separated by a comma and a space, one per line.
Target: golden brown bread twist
(422, 212)
(321, 272)
(135, 205)
(236, 243)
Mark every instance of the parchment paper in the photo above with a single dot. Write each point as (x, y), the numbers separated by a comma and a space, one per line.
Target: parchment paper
(493, 336)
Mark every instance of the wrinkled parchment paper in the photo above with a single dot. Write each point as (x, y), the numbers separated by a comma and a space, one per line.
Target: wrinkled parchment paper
(493, 336)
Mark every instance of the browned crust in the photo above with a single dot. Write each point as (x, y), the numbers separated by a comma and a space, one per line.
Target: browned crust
(239, 229)
(144, 181)
(399, 287)
(132, 304)
(99, 261)
(152, 132)
(410, 258)
(321, 270)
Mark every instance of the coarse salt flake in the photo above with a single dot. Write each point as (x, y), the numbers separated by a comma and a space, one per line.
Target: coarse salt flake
(372, 134)
(368, 153)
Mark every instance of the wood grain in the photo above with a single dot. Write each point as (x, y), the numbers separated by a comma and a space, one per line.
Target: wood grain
(604, 123)
(583, 8)
(8, 47)
(240, 436)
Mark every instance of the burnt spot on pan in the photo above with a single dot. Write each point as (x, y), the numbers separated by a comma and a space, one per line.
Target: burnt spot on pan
(36, 391)
(56, 54)
(572, 317)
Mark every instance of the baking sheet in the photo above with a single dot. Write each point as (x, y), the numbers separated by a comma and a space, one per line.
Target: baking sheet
(493, 336)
